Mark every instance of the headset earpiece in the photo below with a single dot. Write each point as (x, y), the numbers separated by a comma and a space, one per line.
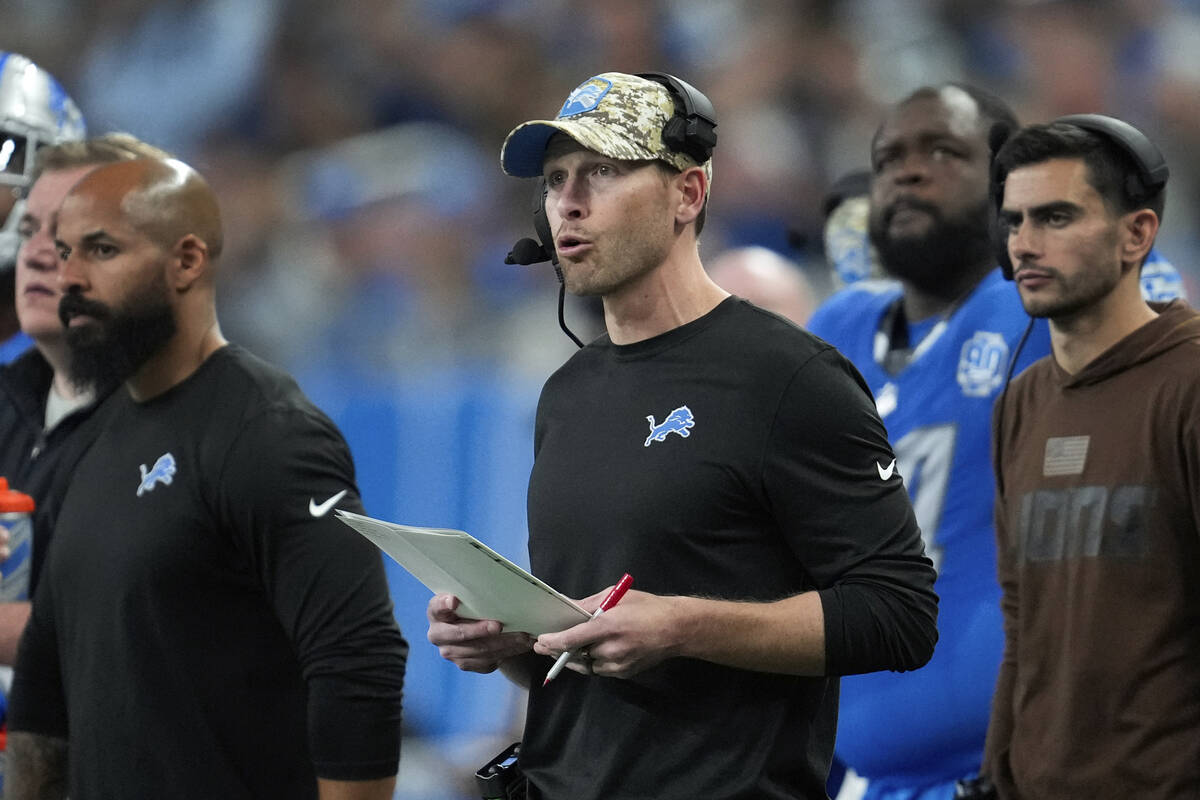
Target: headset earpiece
(693, 129)
(999, 231)
(1000, 244)
(541, 222)
(997, 136)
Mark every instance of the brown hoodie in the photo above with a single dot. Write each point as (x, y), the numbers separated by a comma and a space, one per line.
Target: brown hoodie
(1098, 529)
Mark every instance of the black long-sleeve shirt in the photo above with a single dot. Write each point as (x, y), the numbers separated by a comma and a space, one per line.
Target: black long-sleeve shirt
(205, 627)
(763, 473)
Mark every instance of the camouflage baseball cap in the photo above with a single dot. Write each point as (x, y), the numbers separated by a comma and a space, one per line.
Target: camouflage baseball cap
(617, 115)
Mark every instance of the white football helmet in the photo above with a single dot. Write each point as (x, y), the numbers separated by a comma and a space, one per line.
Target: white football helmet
(34, 111)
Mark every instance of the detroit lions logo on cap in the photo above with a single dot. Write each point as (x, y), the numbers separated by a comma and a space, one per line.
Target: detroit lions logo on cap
(585, 97)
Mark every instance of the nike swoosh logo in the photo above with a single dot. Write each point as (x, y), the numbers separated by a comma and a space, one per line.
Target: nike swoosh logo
(884, 474)
(321, 510)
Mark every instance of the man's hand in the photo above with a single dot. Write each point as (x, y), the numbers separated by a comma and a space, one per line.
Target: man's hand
(634, 635)
(786, 636)
(474, 645)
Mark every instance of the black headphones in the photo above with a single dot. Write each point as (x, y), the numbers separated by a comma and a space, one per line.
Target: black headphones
(692, 131)
(1149, 180)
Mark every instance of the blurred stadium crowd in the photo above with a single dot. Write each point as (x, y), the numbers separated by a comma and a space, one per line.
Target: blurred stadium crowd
(354, 146)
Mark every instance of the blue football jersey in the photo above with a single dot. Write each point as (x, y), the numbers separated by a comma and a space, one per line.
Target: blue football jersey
(924, 727)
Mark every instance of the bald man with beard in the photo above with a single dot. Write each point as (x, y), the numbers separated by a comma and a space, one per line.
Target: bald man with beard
(204, 626)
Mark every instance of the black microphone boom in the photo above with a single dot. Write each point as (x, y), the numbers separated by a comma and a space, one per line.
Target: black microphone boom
(531, 251)
(526, 252)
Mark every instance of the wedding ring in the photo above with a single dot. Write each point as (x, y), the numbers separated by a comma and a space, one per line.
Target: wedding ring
(587, 660)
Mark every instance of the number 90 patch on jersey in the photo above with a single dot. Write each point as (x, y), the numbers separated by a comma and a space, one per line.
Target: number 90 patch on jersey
(982, 363)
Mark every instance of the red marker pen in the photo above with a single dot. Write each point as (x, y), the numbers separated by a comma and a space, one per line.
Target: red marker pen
(608, 602)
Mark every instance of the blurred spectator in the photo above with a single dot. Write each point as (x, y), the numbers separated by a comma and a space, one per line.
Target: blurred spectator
(766, 279)
(848, 248)
(170, 71)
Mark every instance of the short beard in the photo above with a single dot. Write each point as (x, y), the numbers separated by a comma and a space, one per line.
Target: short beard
(113, 347)
(933, 262)
(624, 259)
(1078, 294)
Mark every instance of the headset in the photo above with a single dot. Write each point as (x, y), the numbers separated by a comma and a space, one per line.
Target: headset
(1148, 180)
(691, 131)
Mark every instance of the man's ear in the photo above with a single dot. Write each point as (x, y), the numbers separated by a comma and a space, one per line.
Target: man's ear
(693, 191)
(189, 262)
(1138, 229)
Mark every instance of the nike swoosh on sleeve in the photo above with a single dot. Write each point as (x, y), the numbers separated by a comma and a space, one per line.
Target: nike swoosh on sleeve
(322, 509)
